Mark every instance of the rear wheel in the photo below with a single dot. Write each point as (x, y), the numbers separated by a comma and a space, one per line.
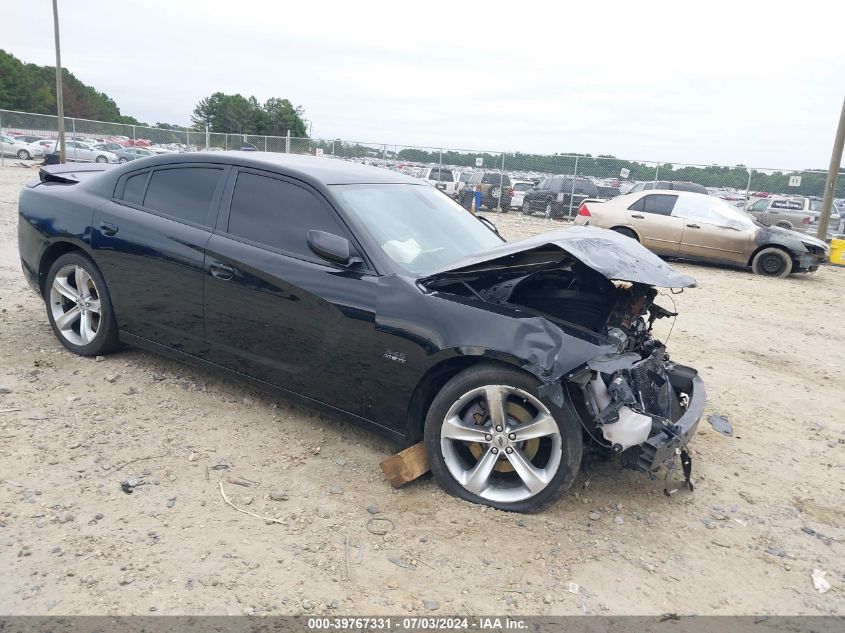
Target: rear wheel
(79, 307)
(772, 262)
(24, 155)
(626, 232)
(121, 160)
(491, 439)
(102, 159)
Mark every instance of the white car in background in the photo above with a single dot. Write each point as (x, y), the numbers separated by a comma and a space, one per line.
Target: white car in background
(159, 150)
(78, 152)
(442, 178)
(519, 189)
(20, 149)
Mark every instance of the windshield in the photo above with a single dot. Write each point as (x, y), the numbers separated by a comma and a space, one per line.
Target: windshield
(523, 186)
(417, 227)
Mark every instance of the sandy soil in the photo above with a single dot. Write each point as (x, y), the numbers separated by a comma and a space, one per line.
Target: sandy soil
(768, 508)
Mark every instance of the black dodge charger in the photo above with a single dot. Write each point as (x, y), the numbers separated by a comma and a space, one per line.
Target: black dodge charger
(376, 299)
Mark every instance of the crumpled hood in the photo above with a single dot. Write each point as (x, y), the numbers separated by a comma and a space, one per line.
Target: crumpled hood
(615, 256)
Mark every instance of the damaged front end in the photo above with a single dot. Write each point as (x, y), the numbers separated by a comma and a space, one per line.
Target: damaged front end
(594, 284)
(637, 402)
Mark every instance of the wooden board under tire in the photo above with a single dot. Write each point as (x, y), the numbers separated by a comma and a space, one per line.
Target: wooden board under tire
(406, 465)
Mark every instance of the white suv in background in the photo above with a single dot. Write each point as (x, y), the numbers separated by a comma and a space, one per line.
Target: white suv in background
(519, 189)
(441, 177)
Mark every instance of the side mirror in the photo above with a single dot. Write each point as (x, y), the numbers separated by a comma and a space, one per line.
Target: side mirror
(332, 247)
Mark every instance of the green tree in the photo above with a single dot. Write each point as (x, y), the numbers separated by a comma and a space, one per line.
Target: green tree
(32, 88)
(241, 115)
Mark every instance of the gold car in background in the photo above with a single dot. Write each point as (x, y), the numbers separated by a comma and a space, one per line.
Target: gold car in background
(696, 226)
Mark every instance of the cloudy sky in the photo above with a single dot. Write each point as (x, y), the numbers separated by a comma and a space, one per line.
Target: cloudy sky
(757, 83)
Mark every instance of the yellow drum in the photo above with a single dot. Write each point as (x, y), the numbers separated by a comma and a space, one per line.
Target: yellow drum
(837, 252)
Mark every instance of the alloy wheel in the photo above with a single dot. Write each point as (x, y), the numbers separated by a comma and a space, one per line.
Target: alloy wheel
(75, 305)
(501, 443)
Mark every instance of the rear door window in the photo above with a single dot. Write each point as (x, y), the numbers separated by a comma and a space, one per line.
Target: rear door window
(441, 175)
(658, 203)
(136, 185)
(183, 193)
(278, 214)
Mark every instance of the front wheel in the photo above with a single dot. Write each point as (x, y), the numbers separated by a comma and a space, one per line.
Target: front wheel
(492, 440)
(102, 159)
(121, 160)
(772, 262)
(79, 306)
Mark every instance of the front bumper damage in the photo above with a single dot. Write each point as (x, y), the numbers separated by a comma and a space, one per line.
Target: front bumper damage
(645, 409)
(664, 445)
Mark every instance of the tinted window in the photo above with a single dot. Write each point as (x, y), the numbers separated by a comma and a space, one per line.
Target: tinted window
(790, 205)
(688, 186)
(555, 184)
(760, 205)
(523, 186)
(582, 186)
(660, 204)
(443, 175)
(184, 193)
(494, 179)
(134, 191)
(279, 214)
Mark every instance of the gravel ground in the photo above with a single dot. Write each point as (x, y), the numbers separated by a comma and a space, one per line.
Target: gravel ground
(767, 510)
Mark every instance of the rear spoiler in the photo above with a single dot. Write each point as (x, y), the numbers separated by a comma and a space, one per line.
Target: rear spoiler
(70, 174)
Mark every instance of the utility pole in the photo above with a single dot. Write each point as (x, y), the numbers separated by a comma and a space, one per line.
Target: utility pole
(832, 173)
(60, 108)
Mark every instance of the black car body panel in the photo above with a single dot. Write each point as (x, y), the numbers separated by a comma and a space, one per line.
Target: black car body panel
(612, 255)
(367, 343)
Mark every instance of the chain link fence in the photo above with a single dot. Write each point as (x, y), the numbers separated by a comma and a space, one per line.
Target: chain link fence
(459, 172)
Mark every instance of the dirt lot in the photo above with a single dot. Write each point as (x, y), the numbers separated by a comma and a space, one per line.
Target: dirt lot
(768, 508)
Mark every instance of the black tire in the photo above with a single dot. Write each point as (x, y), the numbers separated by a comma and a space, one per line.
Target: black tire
(105, 339)
(772, 262)
(102, 159)
(122, 160)
(626, 232)
(24, 155)
(569, 430)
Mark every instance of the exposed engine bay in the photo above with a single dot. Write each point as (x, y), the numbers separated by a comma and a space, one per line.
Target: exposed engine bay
(624, 398)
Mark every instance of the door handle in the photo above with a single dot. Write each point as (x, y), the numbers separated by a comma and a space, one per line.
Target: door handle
(693, 226)
(221, 271)
(638, 216)
(108, 229)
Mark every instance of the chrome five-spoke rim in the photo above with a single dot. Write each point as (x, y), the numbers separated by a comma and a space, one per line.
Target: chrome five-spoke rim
(75, 304)
(501, 443)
